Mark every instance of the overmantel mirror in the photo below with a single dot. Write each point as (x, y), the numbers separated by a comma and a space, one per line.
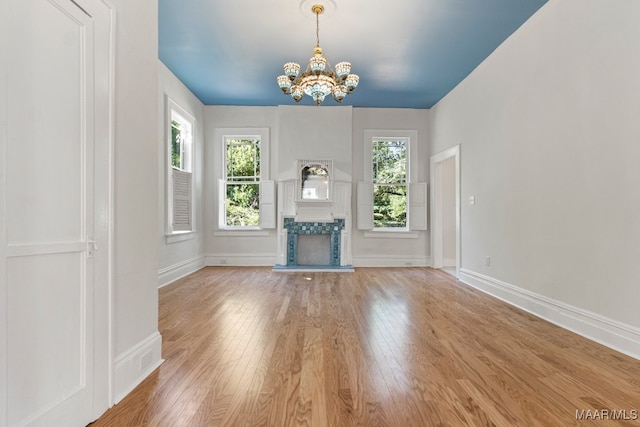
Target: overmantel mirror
(315, 179)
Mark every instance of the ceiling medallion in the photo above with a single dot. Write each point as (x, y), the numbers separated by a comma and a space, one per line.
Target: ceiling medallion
(319, 79)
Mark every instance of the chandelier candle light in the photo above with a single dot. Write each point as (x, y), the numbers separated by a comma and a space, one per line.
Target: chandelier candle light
(319, 79)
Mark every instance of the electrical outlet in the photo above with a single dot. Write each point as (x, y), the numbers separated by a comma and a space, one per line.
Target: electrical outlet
(487, 261)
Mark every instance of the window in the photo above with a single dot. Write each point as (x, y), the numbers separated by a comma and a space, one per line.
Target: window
(242, 184)
(389, 183)
(390, 200)
(246, 196)
(180, 170)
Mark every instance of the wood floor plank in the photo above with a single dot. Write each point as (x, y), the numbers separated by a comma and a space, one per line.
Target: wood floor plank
(247, 346)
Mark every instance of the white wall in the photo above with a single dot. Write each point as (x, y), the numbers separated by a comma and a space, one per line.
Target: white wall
(372, 251)
(298, 132)
(245, 248)
(549, 136)
(311, 132)
(179, 255)
(135, 291)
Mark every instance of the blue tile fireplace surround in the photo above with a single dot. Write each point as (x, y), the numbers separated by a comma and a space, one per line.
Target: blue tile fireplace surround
(294, 229)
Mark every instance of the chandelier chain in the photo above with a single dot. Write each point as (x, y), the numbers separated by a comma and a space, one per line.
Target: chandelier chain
(317, 29)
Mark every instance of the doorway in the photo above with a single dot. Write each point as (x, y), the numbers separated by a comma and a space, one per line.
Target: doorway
(445, 210)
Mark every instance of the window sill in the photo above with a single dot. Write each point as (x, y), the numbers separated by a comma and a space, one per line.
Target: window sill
(390, 234)
(257, 232)
(180, 236)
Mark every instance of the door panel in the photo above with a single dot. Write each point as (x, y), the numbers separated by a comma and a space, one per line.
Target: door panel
(46, 357)
(50, 214)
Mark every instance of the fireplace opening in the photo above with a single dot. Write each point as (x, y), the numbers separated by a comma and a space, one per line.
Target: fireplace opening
(314, 249)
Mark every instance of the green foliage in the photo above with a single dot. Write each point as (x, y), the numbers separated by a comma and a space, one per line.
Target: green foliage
(390, 206)
(390, 190)
(243, 205)
(176, 146)
(243, 160)
(243, 190)
(389, 162)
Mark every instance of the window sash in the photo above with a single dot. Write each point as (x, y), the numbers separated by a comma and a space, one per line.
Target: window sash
(396, 206)
(230, 171)
(394, 171)
(390, 164)
(235, 214)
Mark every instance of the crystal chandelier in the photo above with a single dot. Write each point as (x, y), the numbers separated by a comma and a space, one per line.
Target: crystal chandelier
(319, 79)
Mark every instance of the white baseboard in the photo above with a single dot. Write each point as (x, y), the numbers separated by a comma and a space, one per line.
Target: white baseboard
(390, 261)
(613, 334)
(240, 259)
(449, 262)
(177, 271)
(135, 364)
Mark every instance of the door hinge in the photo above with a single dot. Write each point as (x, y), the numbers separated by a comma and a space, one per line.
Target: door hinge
(92, 246)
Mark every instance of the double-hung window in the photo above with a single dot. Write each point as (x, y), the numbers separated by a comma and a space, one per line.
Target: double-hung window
(390, 198)
(242, 183)
(246, 196)
(180, 169)
(389, 162)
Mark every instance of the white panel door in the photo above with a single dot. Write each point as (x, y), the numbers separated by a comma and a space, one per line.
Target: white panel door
(50, 211)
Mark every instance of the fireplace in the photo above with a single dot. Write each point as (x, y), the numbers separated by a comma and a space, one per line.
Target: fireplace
(312, 256)
(314, 219)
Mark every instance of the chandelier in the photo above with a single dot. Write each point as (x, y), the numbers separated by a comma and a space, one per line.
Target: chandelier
(319, 79)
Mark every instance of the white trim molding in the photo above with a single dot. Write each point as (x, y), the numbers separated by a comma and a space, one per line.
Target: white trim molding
(179, 270)
(391, 261)
(435, 206)
(240, 259)
(135, 364)
(384, 234)
(613, 334)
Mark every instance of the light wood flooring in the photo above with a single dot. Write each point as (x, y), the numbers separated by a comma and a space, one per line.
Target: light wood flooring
(378, 347)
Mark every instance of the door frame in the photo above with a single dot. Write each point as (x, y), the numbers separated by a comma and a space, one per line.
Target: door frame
(103, 374)
(437, 226)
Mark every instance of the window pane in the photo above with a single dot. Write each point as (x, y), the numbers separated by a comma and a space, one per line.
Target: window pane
(389, 162)
(243, 160)
(176, 145)
(389, 206)
(243, 205)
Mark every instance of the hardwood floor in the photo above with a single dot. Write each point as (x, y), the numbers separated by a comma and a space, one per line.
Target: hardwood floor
(378, 347)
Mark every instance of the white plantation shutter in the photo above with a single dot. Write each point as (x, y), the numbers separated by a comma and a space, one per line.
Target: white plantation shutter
(182, 216)
(418, 206)
(267, 204)
(365, 205)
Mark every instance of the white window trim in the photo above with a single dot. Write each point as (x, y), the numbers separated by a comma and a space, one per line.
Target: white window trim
(220, 136)
(412, 173)
(180, 236)
(171, 235)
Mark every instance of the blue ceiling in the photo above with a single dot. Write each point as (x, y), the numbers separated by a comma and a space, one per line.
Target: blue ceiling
(408, 53)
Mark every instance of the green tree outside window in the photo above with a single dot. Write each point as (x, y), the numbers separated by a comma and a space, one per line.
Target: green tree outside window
(390, 183)
(242, 182)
